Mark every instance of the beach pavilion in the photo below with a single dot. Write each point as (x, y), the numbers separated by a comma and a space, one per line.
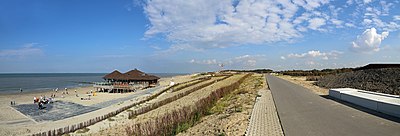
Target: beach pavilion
(117, 82)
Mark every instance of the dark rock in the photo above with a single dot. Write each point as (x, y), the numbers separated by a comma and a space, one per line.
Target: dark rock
(386, 80)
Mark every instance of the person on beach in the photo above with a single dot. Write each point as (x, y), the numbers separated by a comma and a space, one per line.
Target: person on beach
(76, 94)
(20, 89)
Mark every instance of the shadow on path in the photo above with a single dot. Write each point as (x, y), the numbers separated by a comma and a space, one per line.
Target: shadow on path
(363, 109)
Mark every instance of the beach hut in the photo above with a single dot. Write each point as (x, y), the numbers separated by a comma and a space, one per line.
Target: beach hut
(117, 82)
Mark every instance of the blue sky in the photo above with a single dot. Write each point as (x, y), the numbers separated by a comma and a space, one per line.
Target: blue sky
(196, 35)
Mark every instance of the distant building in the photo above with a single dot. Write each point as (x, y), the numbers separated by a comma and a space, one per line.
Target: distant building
(116, 82)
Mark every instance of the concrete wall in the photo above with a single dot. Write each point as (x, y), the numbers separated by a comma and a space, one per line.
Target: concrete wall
(388, 104)
(370, 104)
(334, 93)
(389, 109)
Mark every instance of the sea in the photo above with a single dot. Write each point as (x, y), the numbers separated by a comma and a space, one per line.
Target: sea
(11, 83)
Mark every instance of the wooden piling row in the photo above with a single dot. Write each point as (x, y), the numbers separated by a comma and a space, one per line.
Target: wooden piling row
(168, 124)
(74, 127)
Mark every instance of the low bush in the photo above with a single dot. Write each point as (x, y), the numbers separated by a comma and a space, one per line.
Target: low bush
(181, 119)
(313, 78)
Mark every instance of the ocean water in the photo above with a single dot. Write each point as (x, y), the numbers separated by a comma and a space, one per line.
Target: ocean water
(34, 82)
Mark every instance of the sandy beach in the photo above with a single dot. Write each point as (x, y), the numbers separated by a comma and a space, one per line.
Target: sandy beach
(13, 122)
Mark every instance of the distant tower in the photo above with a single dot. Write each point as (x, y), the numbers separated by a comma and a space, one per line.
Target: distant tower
(221, 66)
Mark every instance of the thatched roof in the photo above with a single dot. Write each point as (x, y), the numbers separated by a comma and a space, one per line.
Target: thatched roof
(131, 75)
(114, 75)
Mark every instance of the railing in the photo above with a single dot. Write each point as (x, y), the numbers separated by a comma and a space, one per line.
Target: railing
(131, 87)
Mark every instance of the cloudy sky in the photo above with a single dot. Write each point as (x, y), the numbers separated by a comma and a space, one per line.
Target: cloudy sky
(196, 35)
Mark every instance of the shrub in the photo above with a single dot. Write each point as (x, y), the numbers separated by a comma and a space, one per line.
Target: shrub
(181, 119)
(313, 78)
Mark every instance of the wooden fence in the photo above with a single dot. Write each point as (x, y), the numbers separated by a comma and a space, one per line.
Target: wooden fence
(74, 127)
(166, 124)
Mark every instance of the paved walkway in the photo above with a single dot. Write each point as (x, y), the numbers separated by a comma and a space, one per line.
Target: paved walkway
(264, 119)
(303, 113)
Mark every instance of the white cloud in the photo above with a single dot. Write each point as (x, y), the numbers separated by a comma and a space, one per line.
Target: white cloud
(207, 24)
(385, 7)
(349, 25)
(114, 56)
(369, 41)
(336, 22)
(316, 23)
(247, 61)
(155, 47)
(311, 63)
(314, 54)
(217, 24)
(205, 62)
(349, 2)
(367, 1)
(374, 16)
(396, 17)
(27, 50)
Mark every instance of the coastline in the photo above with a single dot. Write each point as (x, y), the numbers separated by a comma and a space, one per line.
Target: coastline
(11, 118)
(10, 83)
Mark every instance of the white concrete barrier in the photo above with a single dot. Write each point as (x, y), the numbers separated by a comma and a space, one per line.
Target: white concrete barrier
(390, 109)
(367, 103)
(336, 93)
(385, 103)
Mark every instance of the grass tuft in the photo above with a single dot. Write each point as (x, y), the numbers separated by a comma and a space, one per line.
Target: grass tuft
(111, 119)
(83, 130)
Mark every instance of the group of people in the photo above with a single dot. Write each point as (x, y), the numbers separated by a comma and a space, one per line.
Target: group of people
(42, 100)
(13, 103)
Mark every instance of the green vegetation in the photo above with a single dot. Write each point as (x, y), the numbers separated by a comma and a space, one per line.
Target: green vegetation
(181, 119)
(181, 127)
(315, 72)
(220, 105)
(83, 130)
(130, 112)
(111, 119)
(186, 125)
(255, 71)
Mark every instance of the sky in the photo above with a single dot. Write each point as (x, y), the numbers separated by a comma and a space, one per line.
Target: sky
(178, 36)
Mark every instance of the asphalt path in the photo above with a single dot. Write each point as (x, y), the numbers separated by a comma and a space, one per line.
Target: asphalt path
(303, 113)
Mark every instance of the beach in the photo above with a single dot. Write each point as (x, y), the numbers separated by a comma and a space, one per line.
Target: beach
(14, 122)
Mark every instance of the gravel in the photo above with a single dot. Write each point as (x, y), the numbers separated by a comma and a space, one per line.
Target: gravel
(386, 80)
